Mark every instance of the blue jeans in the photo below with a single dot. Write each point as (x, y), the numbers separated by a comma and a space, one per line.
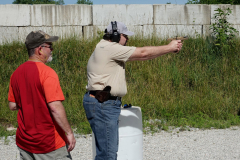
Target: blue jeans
(103, 119)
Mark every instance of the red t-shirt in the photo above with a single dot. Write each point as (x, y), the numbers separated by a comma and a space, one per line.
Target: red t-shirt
(32, 86)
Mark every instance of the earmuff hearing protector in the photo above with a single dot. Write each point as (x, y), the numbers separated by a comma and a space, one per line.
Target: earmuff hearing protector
(115, 37)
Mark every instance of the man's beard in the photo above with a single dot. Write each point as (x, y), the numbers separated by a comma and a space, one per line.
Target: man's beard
(50, 58)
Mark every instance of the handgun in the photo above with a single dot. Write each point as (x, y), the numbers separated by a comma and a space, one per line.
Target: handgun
(178, 38)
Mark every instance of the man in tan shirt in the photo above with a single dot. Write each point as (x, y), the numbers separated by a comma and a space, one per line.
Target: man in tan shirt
(107, 84)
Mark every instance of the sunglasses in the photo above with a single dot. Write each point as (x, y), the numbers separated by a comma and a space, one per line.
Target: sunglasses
(124, 35)
(50, 47)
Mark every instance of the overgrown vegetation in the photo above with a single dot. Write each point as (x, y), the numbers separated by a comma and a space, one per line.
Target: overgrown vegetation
(222, 31)
(4, 132)
(197, 87)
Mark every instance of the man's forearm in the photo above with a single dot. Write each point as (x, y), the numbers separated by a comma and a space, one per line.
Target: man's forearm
(59, 116)
(151, 52)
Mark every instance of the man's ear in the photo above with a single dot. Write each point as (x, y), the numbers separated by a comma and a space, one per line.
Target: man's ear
(40, 51)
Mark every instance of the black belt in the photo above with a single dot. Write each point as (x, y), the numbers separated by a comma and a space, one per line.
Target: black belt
(110, 97)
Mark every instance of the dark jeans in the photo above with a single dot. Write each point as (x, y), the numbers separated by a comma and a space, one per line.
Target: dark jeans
(103, 118)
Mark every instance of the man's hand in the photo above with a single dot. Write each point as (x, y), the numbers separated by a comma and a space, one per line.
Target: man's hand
(71, 142)
(178, 38)
(175, 45)
(13, 106)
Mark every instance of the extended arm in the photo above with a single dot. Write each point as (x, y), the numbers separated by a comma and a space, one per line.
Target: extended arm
(13, 106)
(151, 52)
(60, 117)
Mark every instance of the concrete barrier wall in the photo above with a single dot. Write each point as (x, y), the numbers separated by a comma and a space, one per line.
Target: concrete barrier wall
(84, 21)
(8, 34)
(58, 15)
(129, 14)
(61, 31)
(14, 15)
(182, 14)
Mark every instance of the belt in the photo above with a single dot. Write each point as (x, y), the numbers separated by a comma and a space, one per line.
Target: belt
(110, 97)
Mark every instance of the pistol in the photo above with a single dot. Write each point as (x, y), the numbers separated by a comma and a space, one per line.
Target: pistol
(178, 38)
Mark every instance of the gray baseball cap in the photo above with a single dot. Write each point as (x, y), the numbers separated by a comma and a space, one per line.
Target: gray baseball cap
(36, 38)
(122, 29)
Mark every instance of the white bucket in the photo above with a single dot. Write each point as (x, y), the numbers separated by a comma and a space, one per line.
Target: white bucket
(130, 135)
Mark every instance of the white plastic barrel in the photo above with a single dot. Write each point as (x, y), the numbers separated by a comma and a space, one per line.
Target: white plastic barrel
(130, 135)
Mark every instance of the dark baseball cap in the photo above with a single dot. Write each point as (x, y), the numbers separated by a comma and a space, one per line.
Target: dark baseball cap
(36, 38)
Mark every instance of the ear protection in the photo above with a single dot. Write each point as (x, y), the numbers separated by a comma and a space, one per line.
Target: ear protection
(115, 37)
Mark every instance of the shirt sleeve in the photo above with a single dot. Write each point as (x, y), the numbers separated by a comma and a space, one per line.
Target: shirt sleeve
(52, 89)
(10, 93)
(121, 53)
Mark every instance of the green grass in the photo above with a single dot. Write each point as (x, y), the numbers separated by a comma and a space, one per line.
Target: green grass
(197, 87)
(5, 133)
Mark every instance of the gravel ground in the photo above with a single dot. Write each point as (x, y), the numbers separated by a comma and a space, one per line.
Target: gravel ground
(217, 144)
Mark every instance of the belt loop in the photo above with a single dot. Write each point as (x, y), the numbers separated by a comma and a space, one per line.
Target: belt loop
(89, 93)
(119, 98)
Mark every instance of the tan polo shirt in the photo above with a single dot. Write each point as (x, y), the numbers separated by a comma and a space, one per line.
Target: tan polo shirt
(106, 66)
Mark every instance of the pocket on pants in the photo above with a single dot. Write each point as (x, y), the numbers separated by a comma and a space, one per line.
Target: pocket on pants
(89, 109)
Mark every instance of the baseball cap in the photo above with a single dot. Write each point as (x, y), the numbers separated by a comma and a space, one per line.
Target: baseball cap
(36, 38)
(122, 29)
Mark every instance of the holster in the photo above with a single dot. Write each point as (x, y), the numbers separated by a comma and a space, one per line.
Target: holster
(103, 95)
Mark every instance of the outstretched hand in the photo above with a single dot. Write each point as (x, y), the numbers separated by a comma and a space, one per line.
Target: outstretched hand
(176, 45)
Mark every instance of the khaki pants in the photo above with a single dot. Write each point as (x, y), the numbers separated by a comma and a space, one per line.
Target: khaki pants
(59, 154)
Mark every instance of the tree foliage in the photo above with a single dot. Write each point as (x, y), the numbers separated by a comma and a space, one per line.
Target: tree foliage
(222, 29)
(85, 2)
(59, 2)
(233, 2)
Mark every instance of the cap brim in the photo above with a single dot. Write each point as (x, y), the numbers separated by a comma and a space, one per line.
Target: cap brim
(129, 33)
(52, 39)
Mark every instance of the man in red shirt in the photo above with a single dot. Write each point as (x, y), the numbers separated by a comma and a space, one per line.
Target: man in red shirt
(43, 129)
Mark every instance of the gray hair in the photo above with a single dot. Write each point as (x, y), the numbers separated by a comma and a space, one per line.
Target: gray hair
(31, 52)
